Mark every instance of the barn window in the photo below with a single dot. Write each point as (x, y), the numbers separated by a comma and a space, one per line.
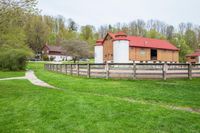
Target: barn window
(142, 52)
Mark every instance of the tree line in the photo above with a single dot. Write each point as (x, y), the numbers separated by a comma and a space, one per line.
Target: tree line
(54, 30)
(24, 30)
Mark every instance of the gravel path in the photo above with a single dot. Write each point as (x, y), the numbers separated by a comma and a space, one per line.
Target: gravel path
(30, 75)
(14, 78)
(35, 81)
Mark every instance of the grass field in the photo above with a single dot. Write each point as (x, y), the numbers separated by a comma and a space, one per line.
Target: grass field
(97, 106)
(8, 74)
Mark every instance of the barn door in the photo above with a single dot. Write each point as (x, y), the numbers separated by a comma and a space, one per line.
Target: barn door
(154, 54)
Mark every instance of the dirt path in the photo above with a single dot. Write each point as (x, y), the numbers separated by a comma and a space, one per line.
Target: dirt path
(170, 107)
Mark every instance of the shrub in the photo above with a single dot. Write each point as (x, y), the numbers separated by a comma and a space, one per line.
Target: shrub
(45, 58)
(14, 58)
(52, 58)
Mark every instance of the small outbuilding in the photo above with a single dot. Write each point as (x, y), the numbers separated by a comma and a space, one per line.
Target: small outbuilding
(194, 58)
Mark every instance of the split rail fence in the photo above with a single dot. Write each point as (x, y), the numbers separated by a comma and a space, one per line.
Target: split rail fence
(128, 70)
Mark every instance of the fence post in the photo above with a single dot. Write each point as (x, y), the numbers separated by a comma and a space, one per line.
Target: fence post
(107, 70)
(61, 69)
(77, 68)
(71, 69)
(190, 71)
(56, 67)
(88, 70)
(165, 67)
(65, 68)
(134, 70)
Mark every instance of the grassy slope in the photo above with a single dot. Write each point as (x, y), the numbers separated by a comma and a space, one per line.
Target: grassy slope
(27, 108)
(7, 74)
(174, 92)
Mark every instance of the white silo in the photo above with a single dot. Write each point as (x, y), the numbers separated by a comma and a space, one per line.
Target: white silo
(98, 52)
(121, 49)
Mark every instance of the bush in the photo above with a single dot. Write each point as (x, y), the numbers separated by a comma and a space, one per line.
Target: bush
(14, 58)
(45, 58)
(52, 58)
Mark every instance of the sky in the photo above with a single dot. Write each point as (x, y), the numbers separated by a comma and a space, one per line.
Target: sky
(101, 12)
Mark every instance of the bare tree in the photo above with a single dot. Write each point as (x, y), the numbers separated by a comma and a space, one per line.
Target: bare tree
(72, 26)
(169, 32)
(76, 49)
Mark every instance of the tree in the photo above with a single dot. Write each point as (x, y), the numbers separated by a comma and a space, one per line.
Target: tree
(72, 26)
(169, 32)
(154, 34)
(13, 15)
(191, 39)
(180, 43)
(137, 28)
(36, 33)
(76, 49)
(87, 32)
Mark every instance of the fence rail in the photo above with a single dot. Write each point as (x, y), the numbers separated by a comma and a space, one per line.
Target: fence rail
(128, 70)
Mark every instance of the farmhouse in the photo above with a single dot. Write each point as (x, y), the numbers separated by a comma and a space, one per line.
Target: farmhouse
(55, 52)
(194, 58)
(121, 48)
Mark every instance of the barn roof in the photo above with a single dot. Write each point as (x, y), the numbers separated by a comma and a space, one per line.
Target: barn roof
(195, 54)
(150, 43)
(99, 42)
(143, 42)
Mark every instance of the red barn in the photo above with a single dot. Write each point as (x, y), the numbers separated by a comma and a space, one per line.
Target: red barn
(121, 48)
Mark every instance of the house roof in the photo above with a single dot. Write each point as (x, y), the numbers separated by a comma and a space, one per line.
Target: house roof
(143, 42)
(54, 48)
(195, 54)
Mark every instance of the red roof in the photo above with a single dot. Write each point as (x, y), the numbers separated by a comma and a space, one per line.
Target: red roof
(143, 42)
(54, 48)
(150, 43)
(195, 54)
(99, 42)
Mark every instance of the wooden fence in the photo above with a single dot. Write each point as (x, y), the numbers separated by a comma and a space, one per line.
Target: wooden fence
(128, 70)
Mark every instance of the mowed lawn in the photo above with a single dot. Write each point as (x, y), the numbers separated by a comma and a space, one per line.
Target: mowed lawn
(97, 105)
(184, 92)
(7, 74)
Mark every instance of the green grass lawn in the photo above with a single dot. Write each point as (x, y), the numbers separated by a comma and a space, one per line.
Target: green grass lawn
(7, 74)
(176, 92)
(95, 105)
(27, 108)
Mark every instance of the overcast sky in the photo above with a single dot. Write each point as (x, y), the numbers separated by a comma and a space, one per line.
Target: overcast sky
(100, 12)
